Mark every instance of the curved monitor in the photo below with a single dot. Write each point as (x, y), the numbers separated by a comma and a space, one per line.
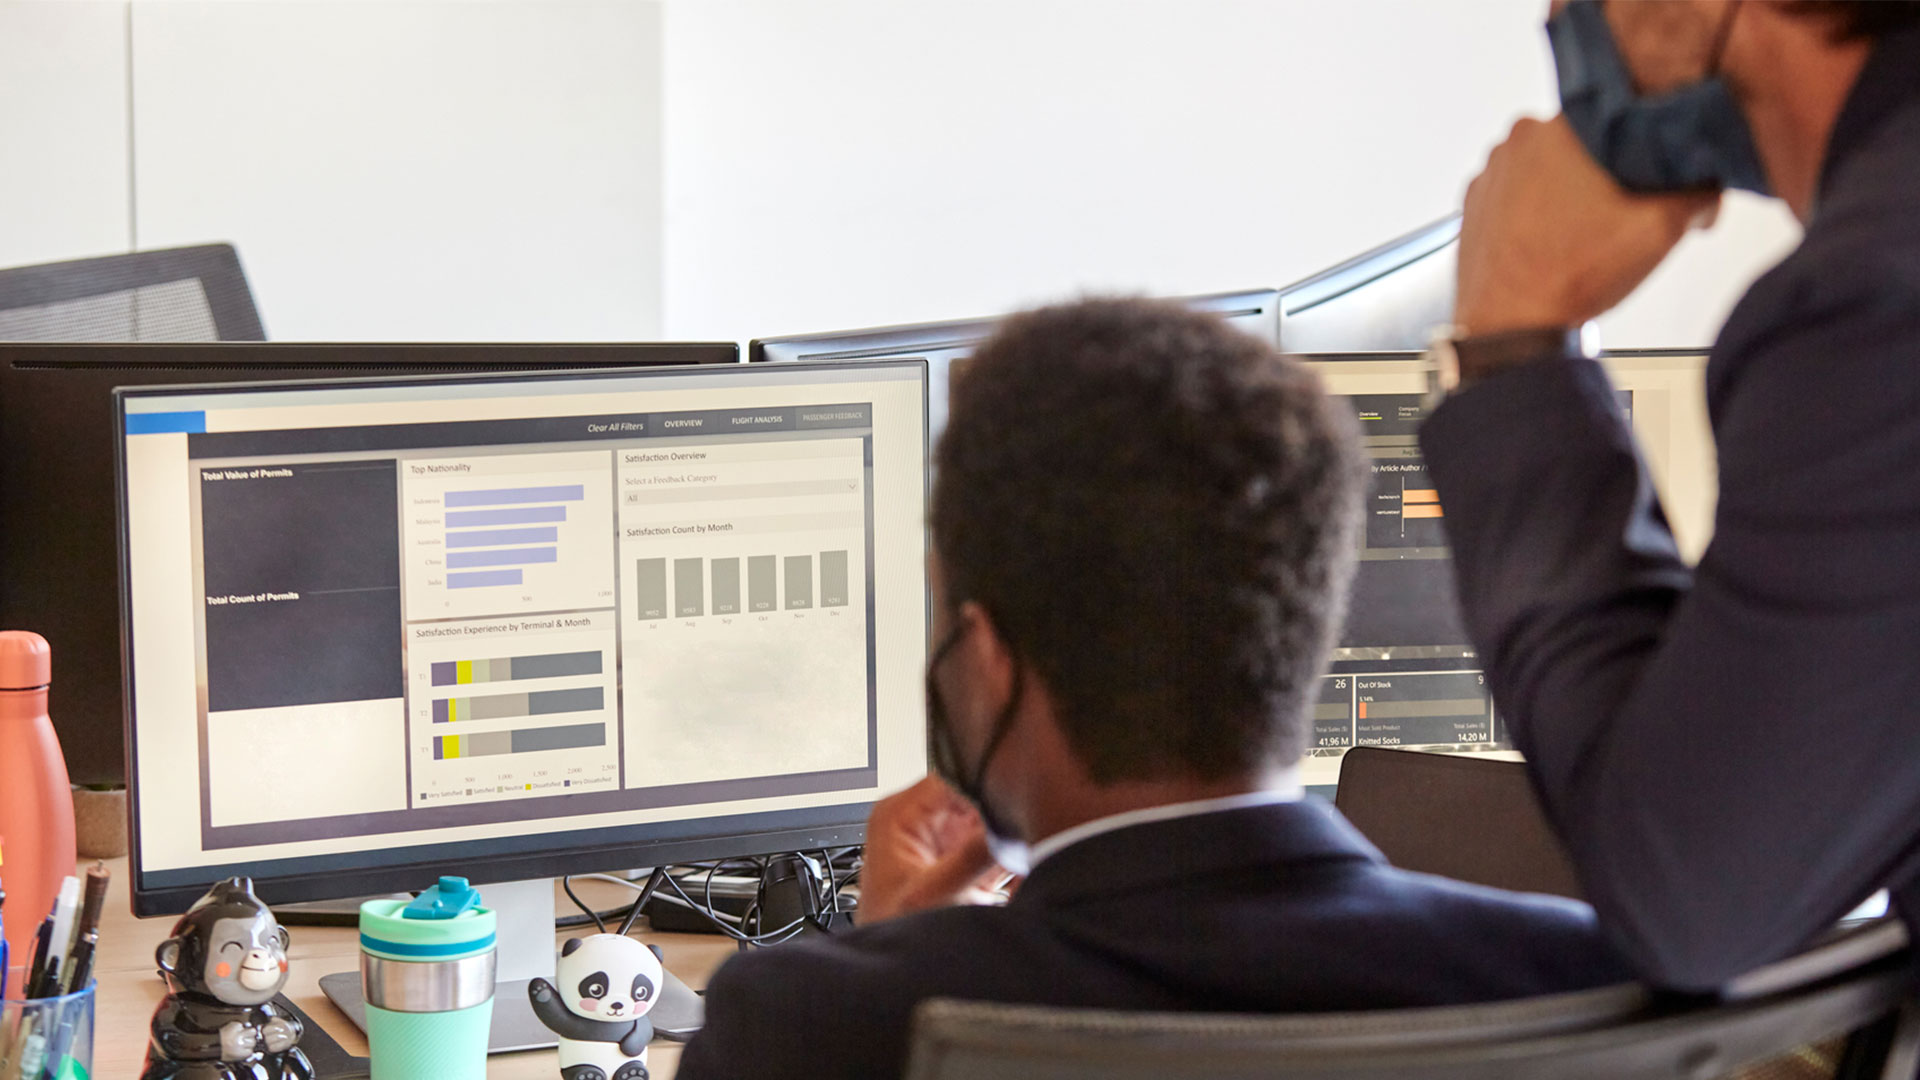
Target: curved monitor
(513, 626)
(945, 345)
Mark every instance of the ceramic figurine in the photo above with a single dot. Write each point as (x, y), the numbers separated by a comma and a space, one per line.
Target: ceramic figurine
(224, 964)
(606, 985)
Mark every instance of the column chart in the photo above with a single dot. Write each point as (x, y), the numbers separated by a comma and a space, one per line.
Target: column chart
(744, 637)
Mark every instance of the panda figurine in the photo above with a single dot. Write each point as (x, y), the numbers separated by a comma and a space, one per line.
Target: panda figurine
(606, 986)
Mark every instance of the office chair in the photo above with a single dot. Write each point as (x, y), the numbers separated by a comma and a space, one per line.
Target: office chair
(1859, 982)
(179, 294)
(1411, 806)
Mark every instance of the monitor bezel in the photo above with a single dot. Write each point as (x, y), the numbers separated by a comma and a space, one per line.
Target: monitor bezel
(579, 858)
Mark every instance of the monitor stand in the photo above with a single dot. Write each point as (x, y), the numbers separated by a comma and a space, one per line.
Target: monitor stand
(526, 952)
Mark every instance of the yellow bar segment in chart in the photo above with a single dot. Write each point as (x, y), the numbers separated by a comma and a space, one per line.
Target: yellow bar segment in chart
(463, 671)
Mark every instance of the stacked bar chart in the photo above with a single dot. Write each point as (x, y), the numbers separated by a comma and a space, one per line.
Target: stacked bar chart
(519, 741)
(513, 706)
(507, 668)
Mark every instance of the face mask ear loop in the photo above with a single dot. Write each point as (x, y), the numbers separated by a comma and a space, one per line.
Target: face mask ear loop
(978, 784)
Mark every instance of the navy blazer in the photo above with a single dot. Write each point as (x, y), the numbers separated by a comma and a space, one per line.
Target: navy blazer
(1732, 753)
(1267, 909)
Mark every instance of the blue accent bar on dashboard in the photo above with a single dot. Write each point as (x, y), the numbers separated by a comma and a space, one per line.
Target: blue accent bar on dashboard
(167, 423)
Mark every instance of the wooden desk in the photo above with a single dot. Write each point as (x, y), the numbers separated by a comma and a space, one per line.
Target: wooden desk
(129, 987)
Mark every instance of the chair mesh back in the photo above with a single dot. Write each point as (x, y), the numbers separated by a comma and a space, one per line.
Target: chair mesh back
(182, 294)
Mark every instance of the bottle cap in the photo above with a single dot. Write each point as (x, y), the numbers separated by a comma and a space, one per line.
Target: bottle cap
(26, 660)
(444, 901)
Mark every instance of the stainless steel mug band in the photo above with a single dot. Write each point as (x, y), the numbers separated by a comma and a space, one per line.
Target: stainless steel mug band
(435, 986)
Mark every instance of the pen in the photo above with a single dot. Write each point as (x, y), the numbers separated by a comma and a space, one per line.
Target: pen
(88, 924)
(37, 965)
(63, 912)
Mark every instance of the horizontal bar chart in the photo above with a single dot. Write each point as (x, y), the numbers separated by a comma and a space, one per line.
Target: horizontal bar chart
(512, 496)
(466, 560)
(513, 515)
(518, 741)
(515, 706)
(507, 668)
(482, 579)
(499, 537)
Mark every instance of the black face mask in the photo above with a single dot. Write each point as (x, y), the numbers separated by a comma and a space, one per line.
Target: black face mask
(945, 751)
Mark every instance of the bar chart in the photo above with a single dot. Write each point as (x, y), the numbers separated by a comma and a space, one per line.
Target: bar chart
(534, 696)
(518, 741)
(1437, 708)
(508, 668)
(693, 577)
(508, 532)
(743, 610)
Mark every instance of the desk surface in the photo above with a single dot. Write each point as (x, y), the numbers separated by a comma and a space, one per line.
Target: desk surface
(129, 989)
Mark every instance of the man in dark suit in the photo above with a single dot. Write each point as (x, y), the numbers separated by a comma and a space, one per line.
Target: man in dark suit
(1143, 527)
(1730, 749)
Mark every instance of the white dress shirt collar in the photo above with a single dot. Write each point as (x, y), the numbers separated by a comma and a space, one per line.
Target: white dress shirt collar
(1285, 788)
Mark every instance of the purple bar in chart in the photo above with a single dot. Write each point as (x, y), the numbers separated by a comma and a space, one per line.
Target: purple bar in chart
(480, 579)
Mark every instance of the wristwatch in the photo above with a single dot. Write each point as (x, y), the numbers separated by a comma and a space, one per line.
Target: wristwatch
(1456, 358)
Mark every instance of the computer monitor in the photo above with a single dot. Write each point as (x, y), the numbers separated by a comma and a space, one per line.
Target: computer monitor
(516, 626)
(1404, 673)
(511, 626)
(56, 484)
(944, 344)
(1388, 298)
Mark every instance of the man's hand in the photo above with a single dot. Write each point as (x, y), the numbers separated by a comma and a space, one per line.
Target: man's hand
(926, 848)
(1550, 240)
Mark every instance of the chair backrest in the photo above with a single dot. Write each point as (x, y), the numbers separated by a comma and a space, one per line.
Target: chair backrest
(1412, 806)
(1617, 1033)
(180, 294)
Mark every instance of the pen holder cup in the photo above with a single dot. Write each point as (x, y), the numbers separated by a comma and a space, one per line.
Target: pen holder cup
(46, 1038)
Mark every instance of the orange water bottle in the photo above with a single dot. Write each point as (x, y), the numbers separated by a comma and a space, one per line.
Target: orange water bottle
(36, 802)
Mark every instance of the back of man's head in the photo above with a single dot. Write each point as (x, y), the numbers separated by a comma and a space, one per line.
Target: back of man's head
(1158, 512)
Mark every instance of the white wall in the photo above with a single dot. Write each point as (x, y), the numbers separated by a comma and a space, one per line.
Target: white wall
(63, 130)
(396, 170)
(840, 163)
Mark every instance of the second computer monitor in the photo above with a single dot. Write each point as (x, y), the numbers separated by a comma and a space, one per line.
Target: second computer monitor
(1404, 673)
(509, 627)
(944, 345)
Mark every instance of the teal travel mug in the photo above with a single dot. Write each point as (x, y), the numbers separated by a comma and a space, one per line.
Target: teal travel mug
(427, 967)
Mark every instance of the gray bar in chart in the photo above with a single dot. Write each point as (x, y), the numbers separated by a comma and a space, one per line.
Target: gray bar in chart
(689, 590)
(833, 579)
(569, 737)
(537, 703)
(650, 580)
(553, 665)
(760, 589)
(799, 581)
(726, 586)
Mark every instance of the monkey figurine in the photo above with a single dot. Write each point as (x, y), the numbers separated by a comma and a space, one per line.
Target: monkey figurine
(223, 965)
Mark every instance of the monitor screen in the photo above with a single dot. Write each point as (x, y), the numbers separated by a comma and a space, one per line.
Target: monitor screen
(513, 626)
(1403, 672)
(946, 345)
